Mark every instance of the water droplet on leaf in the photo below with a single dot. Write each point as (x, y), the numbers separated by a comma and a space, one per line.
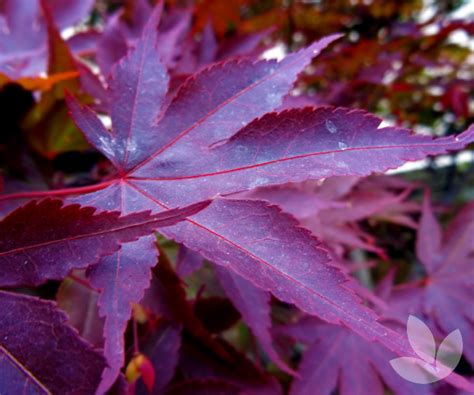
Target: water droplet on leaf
(331, 128)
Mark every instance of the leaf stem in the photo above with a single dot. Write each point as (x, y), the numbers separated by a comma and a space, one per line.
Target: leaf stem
(136, 348)
(57, 192)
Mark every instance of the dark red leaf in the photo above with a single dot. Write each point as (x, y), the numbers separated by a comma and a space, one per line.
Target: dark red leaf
(45, 240)
(163, 351)
(40, 353)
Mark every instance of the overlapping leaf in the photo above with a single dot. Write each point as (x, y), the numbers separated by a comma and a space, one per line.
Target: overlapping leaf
(79, 301)
(23, 33)
(40, 353)
(339, 360)
(163, 351)
(254, 306)
(332, 209)
(444, 296)
(44, 240)
(48, 128)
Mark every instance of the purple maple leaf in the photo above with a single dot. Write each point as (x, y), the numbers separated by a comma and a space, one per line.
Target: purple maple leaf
(44, 240)
(254, 305)
(40, 353)
(163, 352)
(24, 36)
(337, 359)
(444, 296)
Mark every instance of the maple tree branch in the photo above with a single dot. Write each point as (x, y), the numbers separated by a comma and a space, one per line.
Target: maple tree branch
(136, 348)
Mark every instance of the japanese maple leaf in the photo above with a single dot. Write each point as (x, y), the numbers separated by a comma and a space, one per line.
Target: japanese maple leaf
(45, 240)
(187, 261)
(48, 128)
(163, 351)
(339, 360)
(166, 298)
(444, 296)
(218, 136)
(124, 28)
(79, 302)
(339, 226)
(23, 33)
(40, 353)
(332, 210)
(121, 31)
(252, 302)
(179, 50)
